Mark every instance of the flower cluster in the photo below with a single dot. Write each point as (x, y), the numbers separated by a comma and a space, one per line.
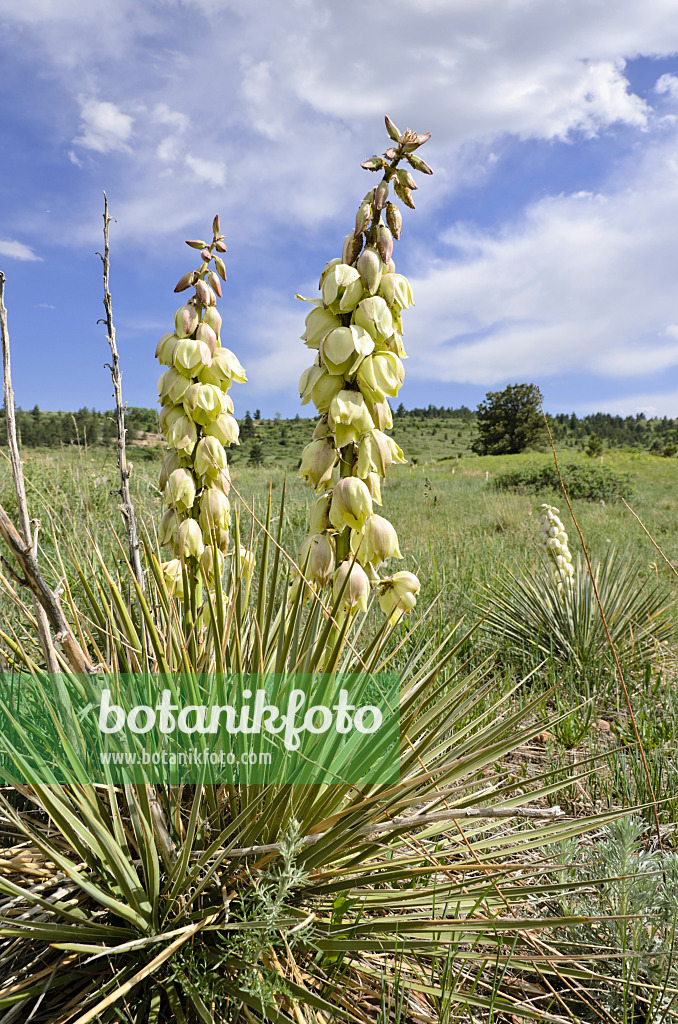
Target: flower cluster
(356, 329)
(197, 420)
(554, 539)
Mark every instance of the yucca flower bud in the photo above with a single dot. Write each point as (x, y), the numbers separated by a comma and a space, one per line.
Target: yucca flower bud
(165, 347)
(172, 386)
(403, 292)
(343, 349)
(322, 429)
(375, 163)
(222, 482)
(319, 520)
(203, 292)
(377, 543)
(316, 559)
(369, 267)
(394, 219)
(374, 315)
(363, 216)
(189, 542)
(212, 317)
(355, 592)
(204, 332)
(190, 355)
(182, 433)
(224, 428)
(351, 503)
(202, 402)
(167, 530)
(384, 243)
(185, 281)
(381, 195)
(185, 321)
(318, 459)
(404, 177)
(215, 510)
(398, 593)
(418, 163)
(377, 452)
(349, 417)
(207, 561)
(210, 457)
(392, 130)
(403, 193)
(173, 460)
(351, 248)
(180, 489)
(173, 576)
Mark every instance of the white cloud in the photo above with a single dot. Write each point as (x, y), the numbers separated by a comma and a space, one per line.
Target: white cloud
(211, 171)
(103, 126)
(580, 283)
(274, 356)
(17, 250)
(663, 403)
(296, 85)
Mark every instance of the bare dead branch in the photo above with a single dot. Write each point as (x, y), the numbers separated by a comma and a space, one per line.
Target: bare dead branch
(19, 484)
(127, 508)
(396, 824)
(46, 599)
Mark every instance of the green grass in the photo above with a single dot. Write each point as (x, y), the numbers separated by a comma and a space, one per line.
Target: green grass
(456, 532)
(459, 534)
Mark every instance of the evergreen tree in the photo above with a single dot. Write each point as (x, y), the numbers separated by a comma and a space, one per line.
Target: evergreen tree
(509, 421)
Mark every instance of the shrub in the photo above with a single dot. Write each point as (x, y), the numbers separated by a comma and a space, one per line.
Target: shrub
(592, 483)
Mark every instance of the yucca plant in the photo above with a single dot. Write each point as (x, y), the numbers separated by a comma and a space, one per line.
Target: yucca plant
(198, 903)
(421, 897)
(533, 613)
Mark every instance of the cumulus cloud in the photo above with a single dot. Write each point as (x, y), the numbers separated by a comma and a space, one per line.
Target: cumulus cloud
(17, 250)
(292, 89)
(578, 283)
(103, 126)
(213, 172)
(574, 282)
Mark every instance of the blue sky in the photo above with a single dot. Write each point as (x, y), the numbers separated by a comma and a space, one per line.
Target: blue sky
(543, 249)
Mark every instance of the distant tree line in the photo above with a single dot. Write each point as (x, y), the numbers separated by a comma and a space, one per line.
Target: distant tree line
(39, 429)
(594, 432)
(658, 435)
(435, 412)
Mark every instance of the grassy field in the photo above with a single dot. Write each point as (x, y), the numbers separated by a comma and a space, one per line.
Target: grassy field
(467, 541)
(457, 532)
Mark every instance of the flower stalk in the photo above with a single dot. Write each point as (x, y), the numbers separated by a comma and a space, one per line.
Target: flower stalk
(554, 540)
(196, 417)
(356, 329)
